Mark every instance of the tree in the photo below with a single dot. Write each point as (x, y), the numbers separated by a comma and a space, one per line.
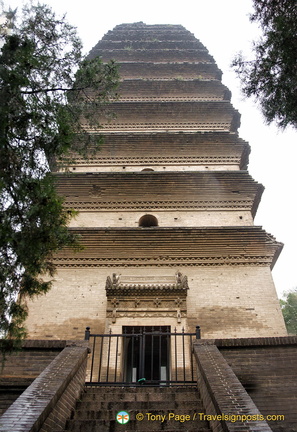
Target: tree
(271, 76)
(289, 309)
(50, 96)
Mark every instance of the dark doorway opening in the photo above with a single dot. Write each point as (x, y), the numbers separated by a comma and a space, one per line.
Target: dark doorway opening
(146, 353)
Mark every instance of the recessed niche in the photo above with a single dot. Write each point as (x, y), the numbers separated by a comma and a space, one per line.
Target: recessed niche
(148, 221)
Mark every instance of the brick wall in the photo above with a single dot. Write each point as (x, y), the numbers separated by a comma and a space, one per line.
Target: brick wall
(167, 218)
(266, 367)
(222, 393)
(21, 367)
(48, 401)
(225, 301)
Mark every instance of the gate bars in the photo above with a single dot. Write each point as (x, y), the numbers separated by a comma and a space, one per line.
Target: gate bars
(140, 357)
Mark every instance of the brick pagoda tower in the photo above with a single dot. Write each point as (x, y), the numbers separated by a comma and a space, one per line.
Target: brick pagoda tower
(166, 207)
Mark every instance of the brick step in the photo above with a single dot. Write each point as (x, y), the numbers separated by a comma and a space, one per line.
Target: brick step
(140, 405)
(141, 398)
(145, 395)
(134, 425)
(133, 411)
(141, 389)
(98, 407)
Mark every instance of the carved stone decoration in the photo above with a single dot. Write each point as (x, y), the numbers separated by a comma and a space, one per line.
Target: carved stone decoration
(146, 296)
(212, 261)
(112, 281)
(136, 302)
(181, 280)
(240, 204)
(145, 314)
(114, 302)
(151, 286)
(157, 302)
(209, 159)
(178, 302)
(115, 279)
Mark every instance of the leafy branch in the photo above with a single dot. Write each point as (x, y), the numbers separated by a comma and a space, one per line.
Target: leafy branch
(271, 76)
(50, 95)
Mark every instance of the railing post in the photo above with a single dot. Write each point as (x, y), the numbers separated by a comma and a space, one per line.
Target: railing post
(87, 333)
(198, 333)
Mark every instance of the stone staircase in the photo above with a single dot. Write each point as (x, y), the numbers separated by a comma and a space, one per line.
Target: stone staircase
(150, 409)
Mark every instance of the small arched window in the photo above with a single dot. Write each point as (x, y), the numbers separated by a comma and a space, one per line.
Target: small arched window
(147, 169)
(148, 221)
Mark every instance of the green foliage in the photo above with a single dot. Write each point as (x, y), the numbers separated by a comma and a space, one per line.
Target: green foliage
(50, 97)
(271, 76)
(289, 309)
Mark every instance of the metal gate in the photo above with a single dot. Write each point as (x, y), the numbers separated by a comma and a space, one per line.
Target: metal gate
(147, 355)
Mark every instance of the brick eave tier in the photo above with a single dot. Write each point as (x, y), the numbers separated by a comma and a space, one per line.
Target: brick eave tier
(220, 246)
(169, 71)
(177, 147)
(141, 32)
(154, 190)
(142, 89)
(151, 115)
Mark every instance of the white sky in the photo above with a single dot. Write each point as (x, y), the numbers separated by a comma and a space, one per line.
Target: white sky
(224, 28)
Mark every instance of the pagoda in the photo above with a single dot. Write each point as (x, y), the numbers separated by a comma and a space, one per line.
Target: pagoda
(166, 207)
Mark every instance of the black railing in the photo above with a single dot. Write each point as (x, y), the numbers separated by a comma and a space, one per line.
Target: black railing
(142, 356)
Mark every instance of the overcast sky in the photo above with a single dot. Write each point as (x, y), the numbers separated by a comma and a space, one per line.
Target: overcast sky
(224, 28)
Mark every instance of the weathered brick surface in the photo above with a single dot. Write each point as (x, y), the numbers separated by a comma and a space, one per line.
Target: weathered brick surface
(154, 55)
(160, 190)
(177, 116)
(49, 399)
(222, 393)
(134, 69)
(141, 31)
(224, 300)
(64, 407)
(202, 151)
(98, 407)
(150, 45)
(174, 115)
(22, 367)
(173, 90)
(31, 359)
(267, 369)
